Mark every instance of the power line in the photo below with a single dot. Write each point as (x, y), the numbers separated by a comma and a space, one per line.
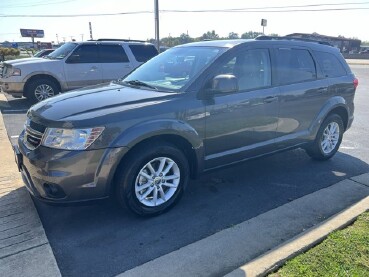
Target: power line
(278, 7)
(286, 9)
(35, 4)
(264, 11)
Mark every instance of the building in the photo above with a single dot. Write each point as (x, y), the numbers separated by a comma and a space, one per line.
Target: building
(346, 45)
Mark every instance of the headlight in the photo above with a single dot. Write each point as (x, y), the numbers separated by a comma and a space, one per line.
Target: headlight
(71, 139)
(16, 72)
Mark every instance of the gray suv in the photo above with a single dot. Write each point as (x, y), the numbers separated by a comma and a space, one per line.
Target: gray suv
(193, 108)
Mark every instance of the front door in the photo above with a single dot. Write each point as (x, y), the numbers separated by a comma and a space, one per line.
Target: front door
(82, 68)
(242, 124)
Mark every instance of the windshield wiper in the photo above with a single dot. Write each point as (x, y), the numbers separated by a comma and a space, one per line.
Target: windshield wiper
(140, 84)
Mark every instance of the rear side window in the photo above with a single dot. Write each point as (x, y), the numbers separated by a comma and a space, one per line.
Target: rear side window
(329, 64)
(143, 52)
(113, 54)
(294, 66)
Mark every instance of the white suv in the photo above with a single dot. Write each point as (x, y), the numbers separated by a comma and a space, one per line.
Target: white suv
(73, 65)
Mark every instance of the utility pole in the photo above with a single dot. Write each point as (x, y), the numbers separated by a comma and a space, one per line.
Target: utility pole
(89, 24)
(82, 36)
(157, 37)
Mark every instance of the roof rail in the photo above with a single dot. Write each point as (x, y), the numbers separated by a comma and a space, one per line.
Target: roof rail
(117, 39)
(263, 37)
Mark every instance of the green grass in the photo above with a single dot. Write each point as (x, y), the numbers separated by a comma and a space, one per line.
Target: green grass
(343, 253)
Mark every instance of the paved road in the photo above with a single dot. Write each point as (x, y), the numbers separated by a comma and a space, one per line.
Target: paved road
(102, 240)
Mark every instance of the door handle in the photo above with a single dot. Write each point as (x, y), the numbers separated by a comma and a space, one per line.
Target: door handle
(270, 99)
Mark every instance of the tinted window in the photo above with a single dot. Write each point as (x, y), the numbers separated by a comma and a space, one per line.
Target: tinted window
(143, 53)
(294, 66)
(329, 64)
(113, 54)
(252, 69)
(85, 54)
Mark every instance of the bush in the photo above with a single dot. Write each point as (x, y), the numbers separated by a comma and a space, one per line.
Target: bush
(8, 52)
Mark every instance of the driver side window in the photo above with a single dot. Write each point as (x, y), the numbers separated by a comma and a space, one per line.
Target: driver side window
(85, 54)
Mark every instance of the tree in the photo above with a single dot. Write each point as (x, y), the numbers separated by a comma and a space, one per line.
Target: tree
(185, 38)
(209, 36)
(233, 35)
(251, 34)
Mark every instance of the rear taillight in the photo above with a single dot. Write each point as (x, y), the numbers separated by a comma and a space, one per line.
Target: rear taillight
(356, 82)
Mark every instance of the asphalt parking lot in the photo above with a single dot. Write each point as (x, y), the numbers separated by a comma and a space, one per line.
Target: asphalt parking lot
(102, 240)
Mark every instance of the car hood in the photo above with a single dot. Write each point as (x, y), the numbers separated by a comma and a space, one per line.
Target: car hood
(95, 101)
(29, 61)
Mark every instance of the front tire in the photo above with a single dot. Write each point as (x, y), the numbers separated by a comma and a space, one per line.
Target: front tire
(41, 89)
(328, 139)
(152, 179)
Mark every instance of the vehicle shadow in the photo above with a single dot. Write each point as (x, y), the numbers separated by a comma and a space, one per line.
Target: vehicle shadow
(103, 240)
(14, 105)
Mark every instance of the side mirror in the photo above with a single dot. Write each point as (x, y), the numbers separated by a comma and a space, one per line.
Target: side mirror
(224, 83)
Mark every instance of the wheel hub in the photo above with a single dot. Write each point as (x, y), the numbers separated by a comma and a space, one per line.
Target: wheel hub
(157, 180)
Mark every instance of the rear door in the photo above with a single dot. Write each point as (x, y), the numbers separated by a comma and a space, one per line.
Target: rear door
(114, 62)
(302, 94)
(143, 52)
(82, 67)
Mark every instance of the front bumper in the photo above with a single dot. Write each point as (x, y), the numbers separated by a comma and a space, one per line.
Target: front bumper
(61, 176)
(12, 87)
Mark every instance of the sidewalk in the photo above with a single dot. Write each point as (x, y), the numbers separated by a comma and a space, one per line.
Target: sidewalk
(357, 62)
(263, 242)
(24, 248)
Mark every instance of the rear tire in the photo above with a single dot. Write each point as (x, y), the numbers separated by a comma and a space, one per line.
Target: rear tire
(41, 89)
(152, 179)
(328, 139)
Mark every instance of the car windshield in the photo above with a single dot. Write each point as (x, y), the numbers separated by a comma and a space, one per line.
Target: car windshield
(173, 69)
(62, 51)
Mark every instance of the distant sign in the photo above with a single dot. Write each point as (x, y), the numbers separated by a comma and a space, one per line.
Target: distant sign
(32, 33)
(263, 22)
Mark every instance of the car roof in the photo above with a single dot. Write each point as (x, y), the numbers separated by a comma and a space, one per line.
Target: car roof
(227, 43)
(112, 41)
(314, 45)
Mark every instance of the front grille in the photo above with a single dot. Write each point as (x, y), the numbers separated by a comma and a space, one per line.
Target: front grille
(3, 70)
(37, 127)
(32, 138)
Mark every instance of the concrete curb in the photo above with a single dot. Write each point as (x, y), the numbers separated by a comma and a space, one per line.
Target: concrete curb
(24, 247)
(274, 259)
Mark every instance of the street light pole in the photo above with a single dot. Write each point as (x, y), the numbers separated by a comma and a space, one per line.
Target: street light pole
(157, 37)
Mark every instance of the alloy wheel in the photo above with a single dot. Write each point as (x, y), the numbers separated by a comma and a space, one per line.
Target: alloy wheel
(157, 181)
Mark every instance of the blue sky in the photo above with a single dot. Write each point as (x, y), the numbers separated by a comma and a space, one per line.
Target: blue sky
(349, 23)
